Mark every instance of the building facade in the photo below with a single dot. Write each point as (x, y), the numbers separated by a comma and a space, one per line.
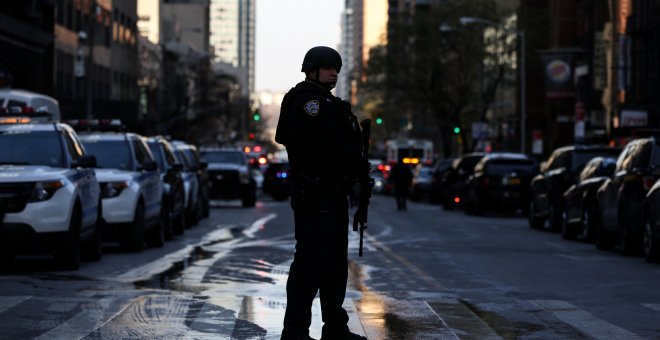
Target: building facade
(233, 34)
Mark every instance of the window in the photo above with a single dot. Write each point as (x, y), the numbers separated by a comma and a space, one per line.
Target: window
(74, 150)
(141, 153)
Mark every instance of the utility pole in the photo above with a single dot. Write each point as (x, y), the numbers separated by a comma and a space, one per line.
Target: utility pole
(93, 18)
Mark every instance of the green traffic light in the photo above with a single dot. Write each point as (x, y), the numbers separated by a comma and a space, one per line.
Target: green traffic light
(379, 120)
(256, 117)
(457, 130)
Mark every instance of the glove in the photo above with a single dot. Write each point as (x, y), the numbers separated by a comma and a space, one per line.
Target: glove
(359, 217)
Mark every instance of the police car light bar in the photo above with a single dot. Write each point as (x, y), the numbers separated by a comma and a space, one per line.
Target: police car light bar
(96, 124)
(25, 115)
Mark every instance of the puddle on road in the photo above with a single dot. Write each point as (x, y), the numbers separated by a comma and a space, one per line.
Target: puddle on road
(164, 279)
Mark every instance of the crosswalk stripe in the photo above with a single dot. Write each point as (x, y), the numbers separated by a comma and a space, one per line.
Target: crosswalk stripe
(81, 324)
(7, 302)
(584, 321)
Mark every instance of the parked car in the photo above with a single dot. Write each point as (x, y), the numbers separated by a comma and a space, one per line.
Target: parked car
(131, 190)
(499, 181)
(453, 181)
(277, 180)
(435, 188)
(580, 217)
(621, 197)
(652, 224)
(557, 174)
(421, 183)
(229, 174)
(173, 202)
(195, 175)
(49, 194)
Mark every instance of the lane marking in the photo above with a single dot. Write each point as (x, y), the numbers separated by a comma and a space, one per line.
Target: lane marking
(7, 302)
(420, 273)
(654, 306)
(258, 225)
(81, 324)
(584, 321)
(446, 331)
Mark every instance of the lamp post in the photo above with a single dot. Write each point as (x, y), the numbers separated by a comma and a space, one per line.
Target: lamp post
(523, 85)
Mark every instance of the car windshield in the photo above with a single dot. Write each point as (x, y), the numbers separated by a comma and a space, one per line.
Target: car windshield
(31, 148)
(154, 147)
(508, 166)
(190, 156)
(222, 157)
(110, 154)
(580, 158)
(468, 163)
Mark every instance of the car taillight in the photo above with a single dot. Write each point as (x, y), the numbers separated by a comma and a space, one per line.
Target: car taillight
(647, 182)
(457, 200)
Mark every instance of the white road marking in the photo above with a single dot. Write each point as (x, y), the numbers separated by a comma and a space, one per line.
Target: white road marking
(584, 321)
(257, 225)
(82, 324)
(654, 306)
(7, 302)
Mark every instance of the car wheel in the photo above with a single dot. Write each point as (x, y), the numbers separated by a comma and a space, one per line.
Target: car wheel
(567, 231)
(534, 221)
(157, 235)
(555, 217)
(134, 236)
(626, 242)
(249, 201)
(179, 223)
(68, 254)
(92, 249)
(651, 242)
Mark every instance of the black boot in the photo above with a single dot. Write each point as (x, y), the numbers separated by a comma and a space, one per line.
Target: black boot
(345, 336)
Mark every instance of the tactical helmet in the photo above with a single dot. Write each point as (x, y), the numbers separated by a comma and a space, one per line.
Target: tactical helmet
(320, 56)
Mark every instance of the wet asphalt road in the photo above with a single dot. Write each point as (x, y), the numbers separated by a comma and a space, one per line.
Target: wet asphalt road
(426, 274)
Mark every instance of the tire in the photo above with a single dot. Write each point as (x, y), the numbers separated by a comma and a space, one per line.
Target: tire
(604, 241)
(68, 254)
(133, 240)
(568, 232)
(626, 242)
(179, 223)
(587, 225)
(157, 235)
(92, 250)
(534, 221)
(250, 201)
(651, 241)
(554, 216)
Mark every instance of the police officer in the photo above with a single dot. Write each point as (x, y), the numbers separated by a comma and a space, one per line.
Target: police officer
(322, 138)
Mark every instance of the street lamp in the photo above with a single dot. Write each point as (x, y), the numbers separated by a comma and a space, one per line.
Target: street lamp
(521, 34)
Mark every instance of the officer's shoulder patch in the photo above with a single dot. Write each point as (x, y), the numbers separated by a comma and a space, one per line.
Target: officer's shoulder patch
(312, 107)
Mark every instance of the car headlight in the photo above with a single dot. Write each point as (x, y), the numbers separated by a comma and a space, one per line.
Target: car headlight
(244, 177)
(45, 190)
(114, 189)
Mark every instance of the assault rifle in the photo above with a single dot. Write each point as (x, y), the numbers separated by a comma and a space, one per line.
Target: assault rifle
(366, 186)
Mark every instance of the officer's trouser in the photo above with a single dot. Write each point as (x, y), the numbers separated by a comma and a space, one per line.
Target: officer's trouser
(319, 264)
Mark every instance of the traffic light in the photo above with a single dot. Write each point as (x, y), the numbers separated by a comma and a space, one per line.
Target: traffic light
(379, 120)
(457, 130)
(251, 135)
(256, 116)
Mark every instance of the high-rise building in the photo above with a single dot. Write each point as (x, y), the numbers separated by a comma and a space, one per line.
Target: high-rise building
(149, 19)
(364, 25)
(233, 37)
(186, 21)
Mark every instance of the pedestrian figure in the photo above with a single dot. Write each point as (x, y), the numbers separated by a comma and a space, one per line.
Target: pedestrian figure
(322, 138)
(401, 176)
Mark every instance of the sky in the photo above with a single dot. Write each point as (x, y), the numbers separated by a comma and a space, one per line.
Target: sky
(286, 30)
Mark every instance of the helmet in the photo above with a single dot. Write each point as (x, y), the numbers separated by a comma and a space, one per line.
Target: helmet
(320, 56)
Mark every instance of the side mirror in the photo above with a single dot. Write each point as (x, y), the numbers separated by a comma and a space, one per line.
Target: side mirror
(178, 167)
(148, 166)
(86, 161)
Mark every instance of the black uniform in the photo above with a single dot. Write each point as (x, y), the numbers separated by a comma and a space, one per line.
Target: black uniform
(322, 138)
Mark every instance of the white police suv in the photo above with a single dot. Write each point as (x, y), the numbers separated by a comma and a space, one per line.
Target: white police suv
(49, 194)
(131, 188)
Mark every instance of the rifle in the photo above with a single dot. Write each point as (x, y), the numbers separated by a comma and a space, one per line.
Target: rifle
(366, 186)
